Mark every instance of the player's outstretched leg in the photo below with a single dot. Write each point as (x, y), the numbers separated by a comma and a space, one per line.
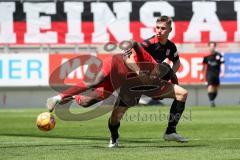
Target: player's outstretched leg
(69, 94)
(52, 102)
(66, 95)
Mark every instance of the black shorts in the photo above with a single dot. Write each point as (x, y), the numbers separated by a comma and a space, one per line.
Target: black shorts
(122, 103)
(213, 80)
(129, 96)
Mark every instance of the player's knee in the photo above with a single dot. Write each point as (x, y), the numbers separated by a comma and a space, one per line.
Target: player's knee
(184, 94)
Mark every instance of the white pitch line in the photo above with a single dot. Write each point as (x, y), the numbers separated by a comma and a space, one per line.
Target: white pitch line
(218, 139)
(24, 142)
(86, 141)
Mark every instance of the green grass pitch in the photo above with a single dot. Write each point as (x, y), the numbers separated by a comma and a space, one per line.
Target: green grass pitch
(214, 133)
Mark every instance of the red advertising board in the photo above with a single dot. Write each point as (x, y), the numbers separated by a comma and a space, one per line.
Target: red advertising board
(69, 68)
(191, 68)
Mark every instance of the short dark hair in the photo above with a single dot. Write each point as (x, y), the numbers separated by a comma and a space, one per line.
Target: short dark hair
(211, 42)
(166, 19)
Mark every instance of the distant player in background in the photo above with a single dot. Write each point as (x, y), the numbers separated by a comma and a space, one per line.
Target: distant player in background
(213, 68)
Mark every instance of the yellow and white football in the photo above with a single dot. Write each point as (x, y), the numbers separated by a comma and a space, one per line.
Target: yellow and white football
(45, 121)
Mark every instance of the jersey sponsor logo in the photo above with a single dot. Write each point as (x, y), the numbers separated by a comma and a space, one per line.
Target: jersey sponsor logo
(212, 63)
(168, 52)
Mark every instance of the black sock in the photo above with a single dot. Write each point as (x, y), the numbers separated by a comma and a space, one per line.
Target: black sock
(211, 96)
(114, 130)
(214, 95)
(176, 111)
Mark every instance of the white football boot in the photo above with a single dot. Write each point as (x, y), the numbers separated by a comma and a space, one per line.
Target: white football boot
(174, 137)
(113, 144)
(52, 102)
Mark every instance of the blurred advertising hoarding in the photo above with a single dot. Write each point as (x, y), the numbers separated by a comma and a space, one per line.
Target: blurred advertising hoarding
(60, 69)
(70, 68)
(232, 68)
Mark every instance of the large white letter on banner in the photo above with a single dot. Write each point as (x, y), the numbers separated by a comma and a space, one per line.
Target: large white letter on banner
(35, 22)
(71, 70)
(104, 18)
(6, 22)
(196, 67)
(204, 19)
(186, 68)
(74, 10)
(237, 9)
(147, 17)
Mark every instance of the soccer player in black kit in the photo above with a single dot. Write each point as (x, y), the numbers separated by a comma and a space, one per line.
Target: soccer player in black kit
(213, 65)
(160, 48)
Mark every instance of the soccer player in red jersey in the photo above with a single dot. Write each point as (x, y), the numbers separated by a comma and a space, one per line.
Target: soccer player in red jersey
(112, 75)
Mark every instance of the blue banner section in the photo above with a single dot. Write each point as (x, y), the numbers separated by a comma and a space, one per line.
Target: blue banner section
(24, 69)
(1, 66)
(232, 68)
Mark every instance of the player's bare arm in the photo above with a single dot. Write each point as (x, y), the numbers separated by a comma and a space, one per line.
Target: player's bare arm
(176, 65)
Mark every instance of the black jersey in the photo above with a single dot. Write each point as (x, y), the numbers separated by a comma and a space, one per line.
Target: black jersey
(213, 62)
(159, 51)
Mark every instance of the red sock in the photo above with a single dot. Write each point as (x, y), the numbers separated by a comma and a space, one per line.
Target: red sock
(78, 99)
(74, 90)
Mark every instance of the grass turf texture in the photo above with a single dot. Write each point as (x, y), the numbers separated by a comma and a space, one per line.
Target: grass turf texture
(213, 132)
